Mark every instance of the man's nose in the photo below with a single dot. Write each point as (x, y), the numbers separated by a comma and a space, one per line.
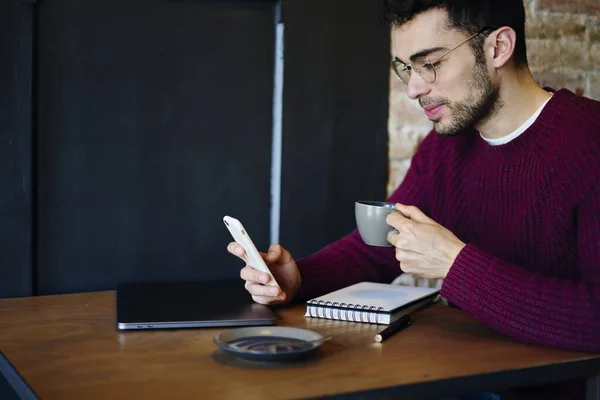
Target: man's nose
(416, 86)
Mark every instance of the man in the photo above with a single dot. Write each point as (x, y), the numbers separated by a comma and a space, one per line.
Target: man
(502, 199)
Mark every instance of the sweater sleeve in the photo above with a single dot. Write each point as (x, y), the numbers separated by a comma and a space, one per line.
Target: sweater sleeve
(342, 263)
(349, 260)
(530, 307)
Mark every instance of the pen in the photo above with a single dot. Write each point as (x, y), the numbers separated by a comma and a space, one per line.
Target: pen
(397, 326)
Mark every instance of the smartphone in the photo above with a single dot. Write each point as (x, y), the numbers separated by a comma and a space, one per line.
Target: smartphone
(253, 258)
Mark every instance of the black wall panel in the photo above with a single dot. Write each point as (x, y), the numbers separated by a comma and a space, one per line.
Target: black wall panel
(335, 143)
(16, 24)
(154, 122)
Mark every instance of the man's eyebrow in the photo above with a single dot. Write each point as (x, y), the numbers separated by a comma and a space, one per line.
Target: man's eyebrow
(422, 53)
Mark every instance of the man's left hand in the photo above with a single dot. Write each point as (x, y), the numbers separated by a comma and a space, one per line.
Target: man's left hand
(423, 247)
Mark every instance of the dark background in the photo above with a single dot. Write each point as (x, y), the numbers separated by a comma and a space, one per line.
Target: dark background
(335, 140)
(128, 129)
(16, 207)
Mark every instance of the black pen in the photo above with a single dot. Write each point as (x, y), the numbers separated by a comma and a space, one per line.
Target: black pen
(397, 326)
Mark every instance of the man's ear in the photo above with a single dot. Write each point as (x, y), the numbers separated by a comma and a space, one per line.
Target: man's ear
(500, 45)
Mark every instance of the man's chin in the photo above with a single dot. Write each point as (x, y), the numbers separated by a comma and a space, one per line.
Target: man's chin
(444, 130)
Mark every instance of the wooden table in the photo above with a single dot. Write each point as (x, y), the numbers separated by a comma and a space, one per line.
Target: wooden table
(67, 347)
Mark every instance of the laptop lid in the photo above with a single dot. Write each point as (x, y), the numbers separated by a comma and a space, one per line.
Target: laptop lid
(167, 305)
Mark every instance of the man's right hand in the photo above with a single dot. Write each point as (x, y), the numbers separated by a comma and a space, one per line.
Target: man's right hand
(282, 266)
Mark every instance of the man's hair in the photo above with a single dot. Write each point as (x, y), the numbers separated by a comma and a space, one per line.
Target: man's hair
(469, 16)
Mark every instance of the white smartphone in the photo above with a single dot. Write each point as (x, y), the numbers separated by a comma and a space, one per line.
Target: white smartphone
(253, 258)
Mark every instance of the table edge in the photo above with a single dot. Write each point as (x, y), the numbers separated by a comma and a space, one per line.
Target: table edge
(15, 380)
(500, 381)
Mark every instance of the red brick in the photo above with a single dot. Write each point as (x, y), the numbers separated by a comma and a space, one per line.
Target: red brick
(595, 32)
(573, 80)
(594, 85)
(397, 173)
(407, 123)
(594, 54)
(574, 6)
(547, 54)
(555, 26)
(405, 139)
(404, 111)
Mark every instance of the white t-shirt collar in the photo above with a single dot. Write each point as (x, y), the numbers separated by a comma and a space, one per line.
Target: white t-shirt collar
(513, 135)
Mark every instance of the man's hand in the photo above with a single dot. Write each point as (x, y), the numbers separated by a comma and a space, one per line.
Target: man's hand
(423, 247)
(283, 267)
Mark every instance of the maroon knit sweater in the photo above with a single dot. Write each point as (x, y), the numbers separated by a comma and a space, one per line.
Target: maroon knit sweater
(529, 212)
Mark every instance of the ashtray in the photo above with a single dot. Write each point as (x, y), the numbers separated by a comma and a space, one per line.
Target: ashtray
(275, 343)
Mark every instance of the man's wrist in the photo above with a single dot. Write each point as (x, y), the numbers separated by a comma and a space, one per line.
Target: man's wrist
(454, 256)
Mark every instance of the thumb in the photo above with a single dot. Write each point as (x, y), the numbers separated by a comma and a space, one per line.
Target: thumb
(414, 214)
(278, 254)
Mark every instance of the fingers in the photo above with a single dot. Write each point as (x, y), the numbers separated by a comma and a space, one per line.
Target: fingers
(399, 223)
(397, 220)
(272, 255)
(392, 237)
(255, 284)
(257, 289)
(256, 281)
(236, 249)
(405, 239)
(263, 294)
(277, 254)
(407, 258)
(249, 274)
(268, 300)
(407, 216)
(413, 213)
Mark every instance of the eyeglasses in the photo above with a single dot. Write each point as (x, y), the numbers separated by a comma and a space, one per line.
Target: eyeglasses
(424, 68)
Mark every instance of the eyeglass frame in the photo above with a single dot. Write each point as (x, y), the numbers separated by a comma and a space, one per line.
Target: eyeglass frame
(409, 67)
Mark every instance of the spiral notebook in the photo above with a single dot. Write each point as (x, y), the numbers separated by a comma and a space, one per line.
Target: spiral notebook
(369, 302)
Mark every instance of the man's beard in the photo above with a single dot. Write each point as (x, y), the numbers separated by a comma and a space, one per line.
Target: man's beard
(482, 103)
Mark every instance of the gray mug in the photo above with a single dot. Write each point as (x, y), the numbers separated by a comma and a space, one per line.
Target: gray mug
(370, 220)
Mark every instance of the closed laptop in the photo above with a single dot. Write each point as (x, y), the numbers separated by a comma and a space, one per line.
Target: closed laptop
(168, 305)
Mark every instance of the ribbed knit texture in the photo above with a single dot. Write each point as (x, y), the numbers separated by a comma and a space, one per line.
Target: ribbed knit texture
(529, 211)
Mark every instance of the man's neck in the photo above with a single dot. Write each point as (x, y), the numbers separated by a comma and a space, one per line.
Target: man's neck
(521, 97)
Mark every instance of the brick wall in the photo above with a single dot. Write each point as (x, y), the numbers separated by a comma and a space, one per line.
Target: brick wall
(563, 46)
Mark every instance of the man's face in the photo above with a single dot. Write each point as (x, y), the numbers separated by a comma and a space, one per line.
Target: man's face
(462, 95)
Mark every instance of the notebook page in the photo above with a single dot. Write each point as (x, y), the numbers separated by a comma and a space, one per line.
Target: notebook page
(387, 296)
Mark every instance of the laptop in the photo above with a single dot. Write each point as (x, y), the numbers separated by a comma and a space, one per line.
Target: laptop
(168, 305)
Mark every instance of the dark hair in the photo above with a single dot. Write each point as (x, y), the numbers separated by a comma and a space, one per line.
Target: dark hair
(470, 16)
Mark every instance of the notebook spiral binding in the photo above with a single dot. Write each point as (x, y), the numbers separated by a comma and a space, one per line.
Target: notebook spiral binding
(343, 311)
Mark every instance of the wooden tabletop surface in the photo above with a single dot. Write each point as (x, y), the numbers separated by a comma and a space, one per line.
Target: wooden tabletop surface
(67, 347)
